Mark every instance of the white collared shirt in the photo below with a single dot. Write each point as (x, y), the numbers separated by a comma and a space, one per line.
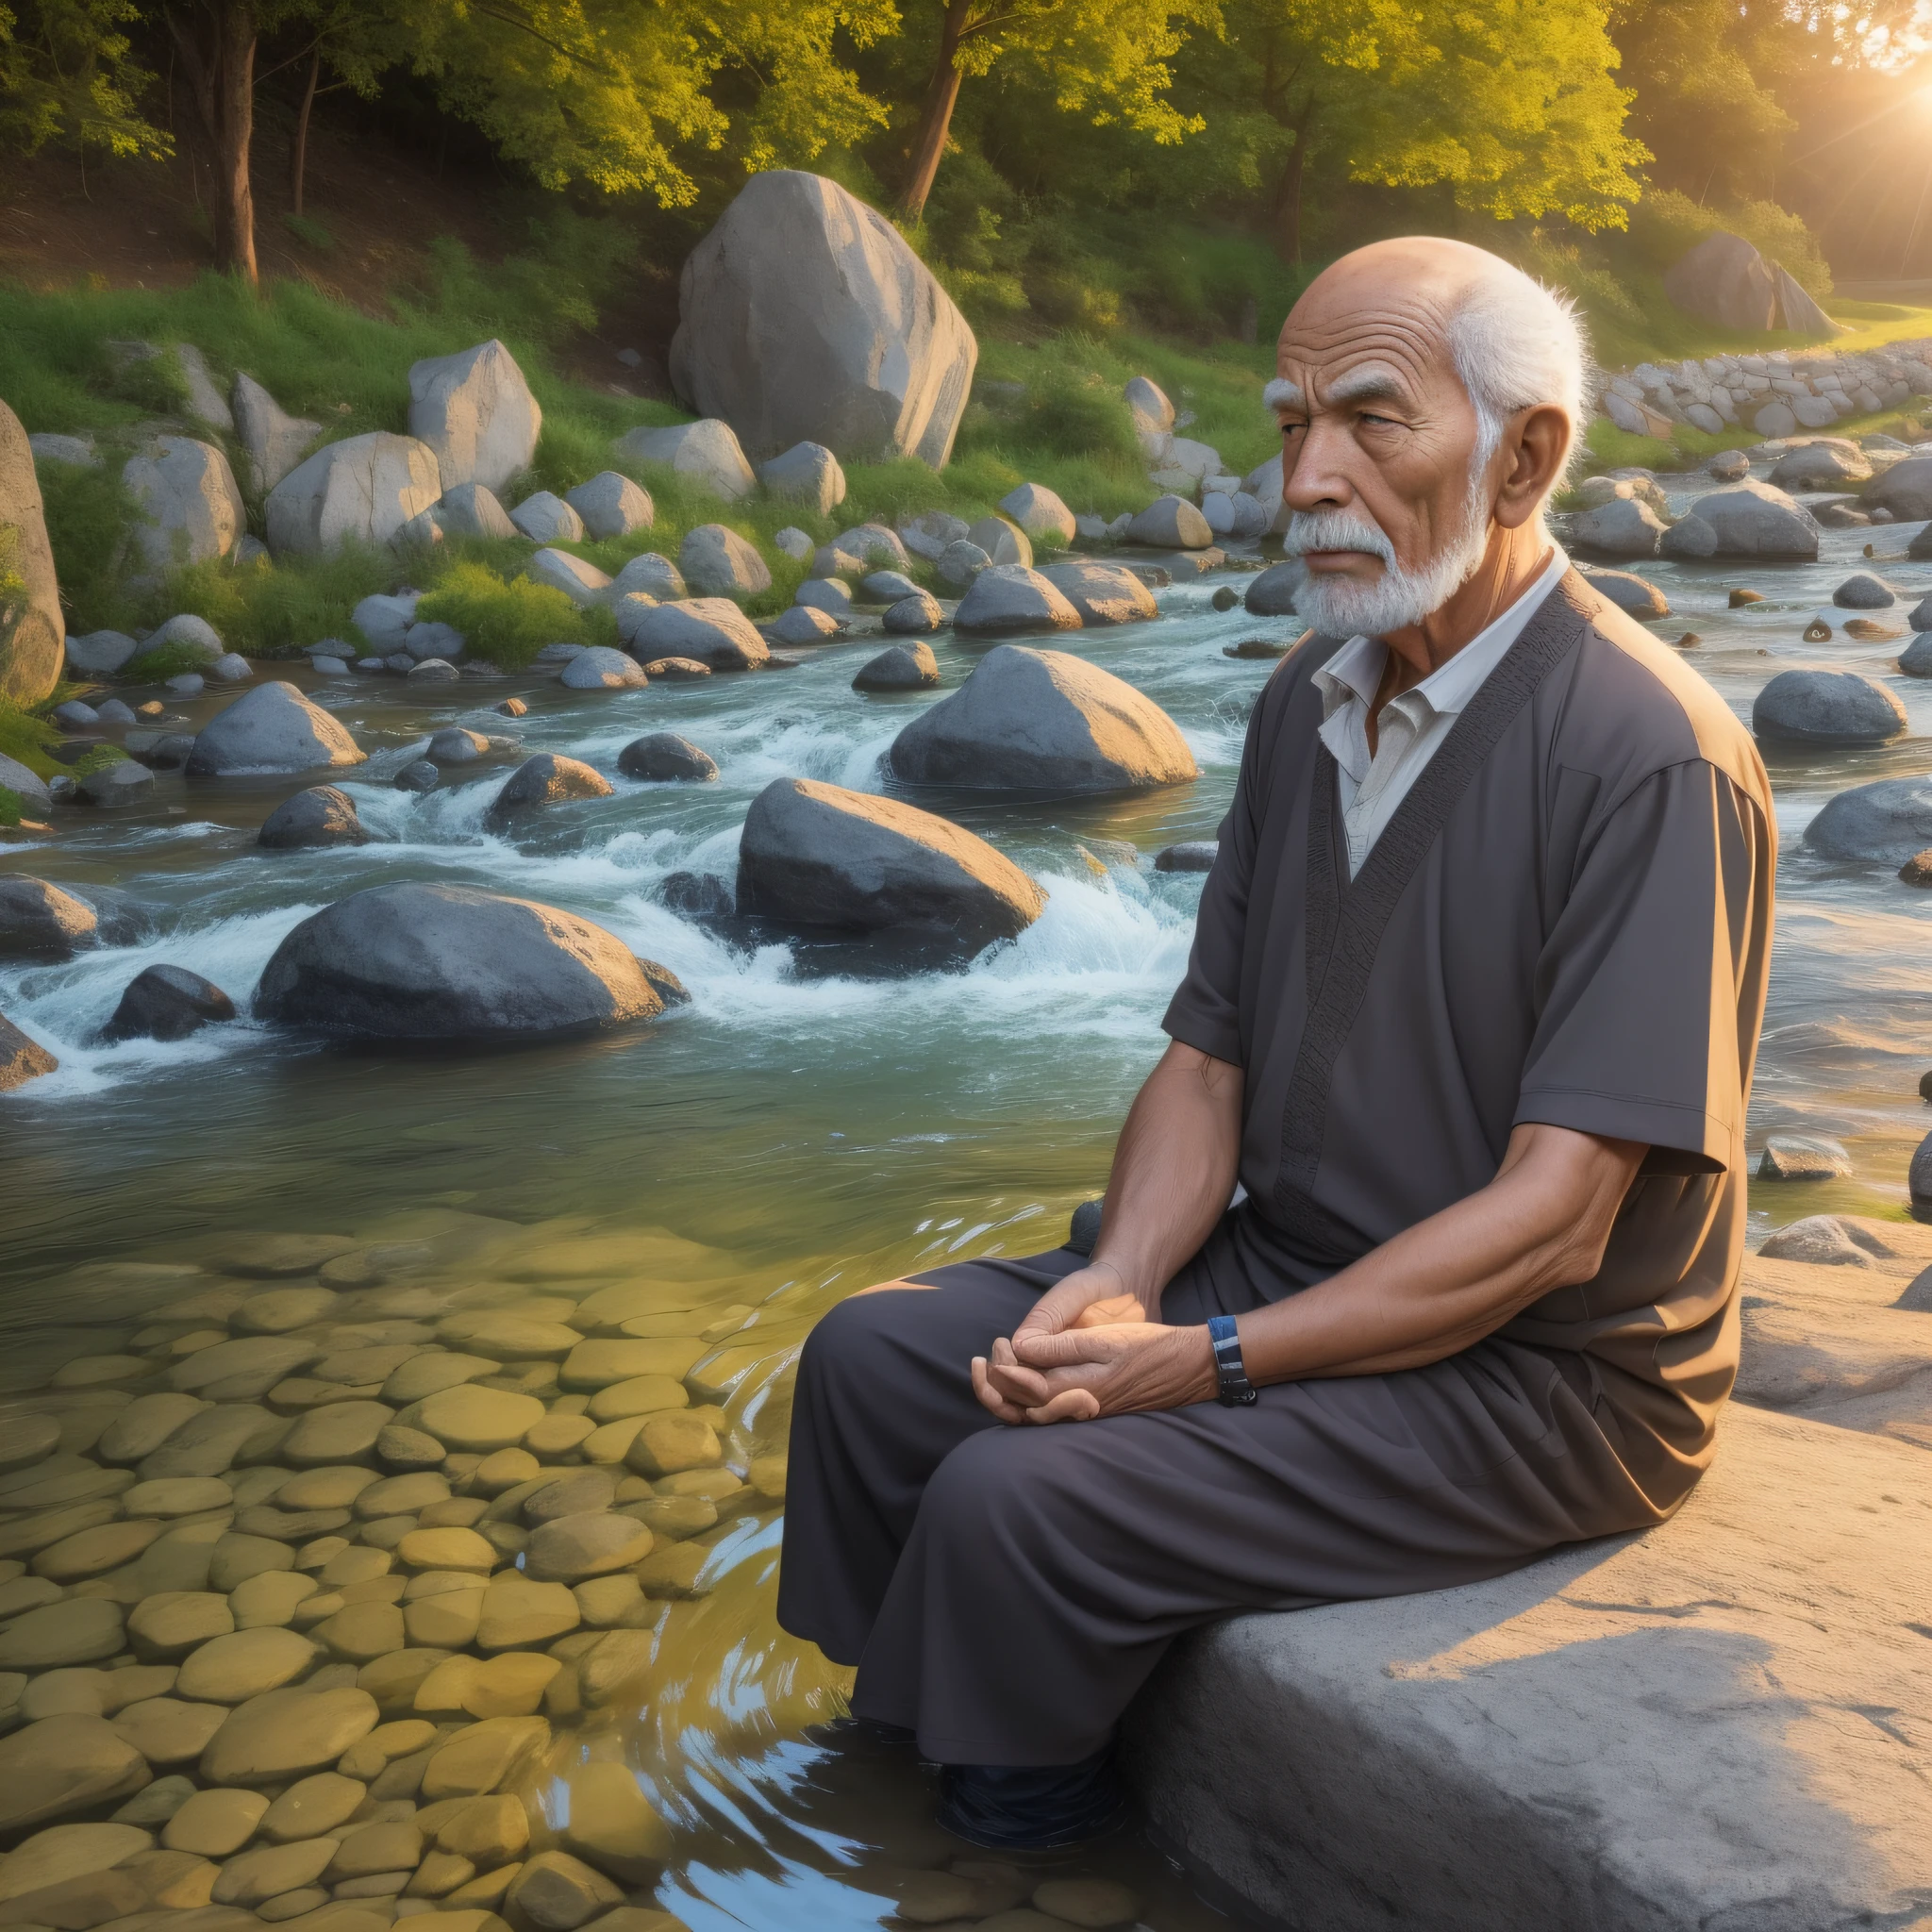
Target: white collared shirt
(1411, 727)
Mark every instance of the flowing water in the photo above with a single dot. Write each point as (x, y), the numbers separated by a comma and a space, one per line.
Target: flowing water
(794, 1136)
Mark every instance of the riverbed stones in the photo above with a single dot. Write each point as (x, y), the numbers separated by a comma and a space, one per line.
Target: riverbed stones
(271, 729)
(802, 623)
(555, 1892)
(548, 778)
(1751, 518)
(610, 505)
(273, 441)
(817, 856)
(545, 517)
(717, 563)
(1803, 1158)
(169, 1624)
(40, 922)
(959, 562)
(467, 1418)
(321, 816)
(33, 633)
(1861, 591)
(1621, 527)
(1001, 541)
(1886, 822)
(91, 1552)
(338, 1432)
(1102, 593)
(359, 490)
(286, 1733)
(125, 782)
(805, 316)
(68, 1851)
(664, 757)
(189, 506)
(1828, 463)
(1904, 491)
(476, 413)
(1043, 720)
(1040, 513)
(706, 452)
(81, 1631)
(712, 630)
(63, 1765)
(600, 668)
(592, 1544)
(612, 1824)
(245, 1664)
(1629, 592)
(808, 472)
(1171, 523)
(1827, 707)
(420, 961)
(903, 667)
(672, 1444)
(214, 1824)
(1009, 600)
(914, 615)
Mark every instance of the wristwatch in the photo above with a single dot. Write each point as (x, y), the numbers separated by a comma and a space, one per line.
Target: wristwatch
(1234, 1389)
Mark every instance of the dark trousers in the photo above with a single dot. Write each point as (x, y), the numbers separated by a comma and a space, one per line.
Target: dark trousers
(1004, 1591)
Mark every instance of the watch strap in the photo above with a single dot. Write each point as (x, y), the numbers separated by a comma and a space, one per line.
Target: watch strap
(1233, 1390)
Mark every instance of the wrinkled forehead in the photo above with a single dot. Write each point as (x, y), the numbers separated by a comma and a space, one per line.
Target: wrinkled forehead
(1344, 344)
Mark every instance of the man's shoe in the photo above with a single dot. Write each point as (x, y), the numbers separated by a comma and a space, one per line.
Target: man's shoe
(1031, 1807)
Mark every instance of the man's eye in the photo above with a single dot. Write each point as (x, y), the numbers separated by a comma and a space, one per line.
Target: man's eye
(1381, 422)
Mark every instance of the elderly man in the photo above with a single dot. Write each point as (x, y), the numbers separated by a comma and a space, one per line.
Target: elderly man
(1470, 1017)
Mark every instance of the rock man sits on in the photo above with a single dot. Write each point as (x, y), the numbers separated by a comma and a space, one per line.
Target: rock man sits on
(1421, 1251)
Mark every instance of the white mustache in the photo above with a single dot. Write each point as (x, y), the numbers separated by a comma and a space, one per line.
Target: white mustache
(1334, 529)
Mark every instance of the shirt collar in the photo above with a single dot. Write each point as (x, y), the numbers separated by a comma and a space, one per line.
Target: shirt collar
(1355, 671)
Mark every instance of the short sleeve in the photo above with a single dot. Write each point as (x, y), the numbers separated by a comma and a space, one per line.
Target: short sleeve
(1653, 972)
(1204, 1012)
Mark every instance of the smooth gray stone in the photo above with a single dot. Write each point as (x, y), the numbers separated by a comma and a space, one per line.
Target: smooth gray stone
(273, 441)
(1921, 617)
(1751, 518)
(1821, 465)
(1861, 591)
(1827, 708)
(1030, 720)
(191, 684)
(804, 623)
(27, 785)
(188, 505)
(1010, 600)
(832, 595)
(549, 779)
(419, 774)
(1002, 539)
(600, 668)
(663, 758)
(1629, 592)
(271, 728)
(1272, 593)
(697, 895)
(114, 713)
(453, 745)
(1728, 465)
(363, 490)
(545, 518)
(161, 751)
(717, 563)
(889, 587)
(1171, 523)
(1724, 279)
(914, 616)
(959, 562)
(1621, 527)
(39, 920)
(231, 667)
(928, 534)
(1102, 593)
(76, 716)
(1636, 1732)
(473, 510)
(1915, 660)
(450, 963)
(818, 856)
(100, 653)
(610, 505)
(706, 452)
(476, 413)
(1887, 821)
(1689, 536)
(713, 630)
(1905, 489)
(905, 667)
(427, 640)
(125, 782)
(810, 473)
(1192, 854)
(322, 815)
(167, 1003)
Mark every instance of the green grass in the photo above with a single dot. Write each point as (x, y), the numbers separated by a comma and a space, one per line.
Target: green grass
(507, 621)
(12, 807)
(28, 738)
(156, 667)
(104, 758)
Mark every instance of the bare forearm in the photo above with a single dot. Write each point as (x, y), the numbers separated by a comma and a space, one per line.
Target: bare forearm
(1444, 1284)
(1173, 1171)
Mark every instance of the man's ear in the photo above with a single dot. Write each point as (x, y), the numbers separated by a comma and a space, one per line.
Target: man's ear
(1536, 441)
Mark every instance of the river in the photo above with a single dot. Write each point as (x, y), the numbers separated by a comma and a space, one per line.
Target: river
(798, 1135)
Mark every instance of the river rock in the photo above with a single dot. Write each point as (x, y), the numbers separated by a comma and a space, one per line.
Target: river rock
(33, 633)
(417, 961)
(712, 630)
(927, 534)
(829, 594)
(473, 510)
(810, 473)
(652, 574)
(888, 587)
(583, 583)
(546, 518)
(1629, 592)
(803, 314)
(818, 856)
(961, 562)
(1273, 592)
(663, 758)
(22, 1058)
(273, 441)
(419, 774)
(476, 413)
(549, 779)
(100, 653)
(190, 506)
(286, 1733)
(68, 1851)
(385, 618)
(1009, 600)
(1621, 527)
(902, 667)
(167, 1003)
(1102, 593)
(1040, 513)
(592, 1544)
(1753, 519)
(1827, 463)
(1827, 708)
(614, 1826)
(40, 922)
(322, 815)
(125, 782)
(706, 452)
(602, 669)
(63, 1765)
(1887, 821)
(468, 1419)
(1803, 1158)
(718, 562)
(1689, 536)
(363, 489)
(272, 729)
(1861, 591)
(802, 623)
(1905, 489)
(1003, 541)
(610, 505)
(1171, 523)
(1043, 720)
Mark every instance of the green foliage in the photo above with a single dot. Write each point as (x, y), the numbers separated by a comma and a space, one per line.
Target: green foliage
(68, 75)
(271, 612)
(306, 229)
(104, 758)
(154, 384)
(506, 622)
(87, 512)
(168, 660)
(28, 738)
(1668, 225)
(13, 806)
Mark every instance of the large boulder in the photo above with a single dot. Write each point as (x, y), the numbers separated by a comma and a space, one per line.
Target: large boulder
(322, 815)
(610, 505)
(808, 472)
(1827, 707)
(273, 441)
(1828, 463)
(1040, 513)
(271, 728)
(476, 412)
(1044, 720)
(33, 634)
(816, 855)
(360, 491)
(167, 1003)
(469, 509)
(1009, 600)
(713, 630)
(1725, 281)
(1272, 593)
(22, 1057)
(1905, 489)
(1751, 519)
(718, 562)
(39, 923)
(804, 316)
(1655, 1730)
(1171, 523)
(439, 963)
(707, 453)
(1621, 527)
(190, 506)
(548, 778)
(1887, 821)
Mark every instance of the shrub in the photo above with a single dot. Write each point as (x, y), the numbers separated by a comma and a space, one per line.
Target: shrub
(507, 622)
(28, 738)
(170, 661)
(87, 513)
(13, 806)
(104, 758)
(1666, 225)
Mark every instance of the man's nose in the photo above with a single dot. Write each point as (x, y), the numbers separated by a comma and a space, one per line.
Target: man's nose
(1314, 473)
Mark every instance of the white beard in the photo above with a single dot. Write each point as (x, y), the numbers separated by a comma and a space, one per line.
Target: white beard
(1341, 608)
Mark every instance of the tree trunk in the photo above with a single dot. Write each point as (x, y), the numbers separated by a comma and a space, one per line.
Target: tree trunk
(298, 155)
(941, 92)
(1288, 192)
(220, 59)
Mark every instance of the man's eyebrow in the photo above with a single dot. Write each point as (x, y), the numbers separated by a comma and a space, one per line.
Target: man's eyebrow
(1369, 385)
(1283, 394)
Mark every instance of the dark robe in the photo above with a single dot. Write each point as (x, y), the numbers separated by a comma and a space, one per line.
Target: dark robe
(1566, 921)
